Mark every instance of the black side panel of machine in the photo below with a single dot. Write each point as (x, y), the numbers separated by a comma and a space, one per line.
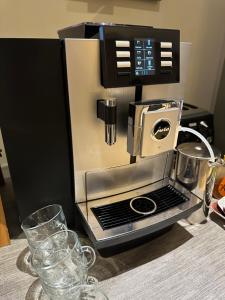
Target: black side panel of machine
(34, 124)
(83, 30)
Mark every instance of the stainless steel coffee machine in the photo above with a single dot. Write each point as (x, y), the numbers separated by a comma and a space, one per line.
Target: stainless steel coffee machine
(122, 84)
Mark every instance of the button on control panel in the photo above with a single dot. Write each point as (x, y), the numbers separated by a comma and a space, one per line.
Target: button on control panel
(166, 63)
(123, 44)
(122, 53)
(123, 64)
(166, 54)
(166, 45)
(123, 73)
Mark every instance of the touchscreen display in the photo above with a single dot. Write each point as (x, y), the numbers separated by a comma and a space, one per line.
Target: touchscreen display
(144, 57)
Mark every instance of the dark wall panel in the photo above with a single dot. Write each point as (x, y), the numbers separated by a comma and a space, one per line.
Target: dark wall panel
(34, 123)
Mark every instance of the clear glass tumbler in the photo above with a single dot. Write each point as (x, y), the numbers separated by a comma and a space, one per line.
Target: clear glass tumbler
(38, 226)
(43, 223)
(81, 292)
(61, 261)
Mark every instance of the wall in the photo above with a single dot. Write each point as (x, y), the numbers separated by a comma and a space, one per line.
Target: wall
(219, 115)
(201, 22)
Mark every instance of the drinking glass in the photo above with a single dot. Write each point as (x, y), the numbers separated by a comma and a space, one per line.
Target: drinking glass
(81, 292)
(61, 261)
(43, 223)
(39, 225)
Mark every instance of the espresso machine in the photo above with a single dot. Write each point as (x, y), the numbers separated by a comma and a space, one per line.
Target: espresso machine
(89, 121)
(125, 109)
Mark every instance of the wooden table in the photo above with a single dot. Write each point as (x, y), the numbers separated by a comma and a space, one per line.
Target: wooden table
(2, 181)
(1, 175)
(4, 234)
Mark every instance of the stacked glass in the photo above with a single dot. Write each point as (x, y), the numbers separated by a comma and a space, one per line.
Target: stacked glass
(57, 256)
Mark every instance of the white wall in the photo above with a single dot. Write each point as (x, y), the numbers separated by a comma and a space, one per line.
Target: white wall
(202, 22)
(219, 117)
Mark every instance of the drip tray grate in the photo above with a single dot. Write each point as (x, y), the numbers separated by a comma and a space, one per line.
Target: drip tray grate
(120, 213)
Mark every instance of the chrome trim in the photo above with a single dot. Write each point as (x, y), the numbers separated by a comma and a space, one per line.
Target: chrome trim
(138, 211)
(141, 122)
(110, 102)
(110, 134)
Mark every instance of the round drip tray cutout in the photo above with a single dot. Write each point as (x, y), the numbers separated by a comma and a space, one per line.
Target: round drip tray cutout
(143, 205)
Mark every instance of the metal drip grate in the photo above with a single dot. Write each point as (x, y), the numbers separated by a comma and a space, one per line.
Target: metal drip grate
(120, 213)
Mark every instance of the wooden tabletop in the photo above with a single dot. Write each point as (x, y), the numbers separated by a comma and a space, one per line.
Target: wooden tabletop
(4, 234)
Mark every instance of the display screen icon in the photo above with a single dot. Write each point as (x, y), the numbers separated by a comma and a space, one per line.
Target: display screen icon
(139, 54)
(138, 44)
(140, 64)
(144, 57)
(148, 44)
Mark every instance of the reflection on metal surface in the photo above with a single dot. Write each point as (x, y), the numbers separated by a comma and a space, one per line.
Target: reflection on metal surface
(90, 152)
(110, 134)
(193, 169)
(188, 175)
(107, 182)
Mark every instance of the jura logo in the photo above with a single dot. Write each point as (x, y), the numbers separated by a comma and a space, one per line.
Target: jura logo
(161, 129)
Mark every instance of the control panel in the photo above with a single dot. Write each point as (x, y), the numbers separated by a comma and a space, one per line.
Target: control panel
(144, 57)
(138, 55)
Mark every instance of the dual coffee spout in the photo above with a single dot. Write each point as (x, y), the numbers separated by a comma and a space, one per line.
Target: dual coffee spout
(106, 111)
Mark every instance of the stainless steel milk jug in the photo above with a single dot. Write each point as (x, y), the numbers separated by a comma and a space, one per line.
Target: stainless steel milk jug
(195, 171)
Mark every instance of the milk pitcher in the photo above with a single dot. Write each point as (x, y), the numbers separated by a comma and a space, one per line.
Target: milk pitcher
(197, 173)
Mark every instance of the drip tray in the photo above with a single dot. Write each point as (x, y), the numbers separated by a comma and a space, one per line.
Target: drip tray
(120, 213)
